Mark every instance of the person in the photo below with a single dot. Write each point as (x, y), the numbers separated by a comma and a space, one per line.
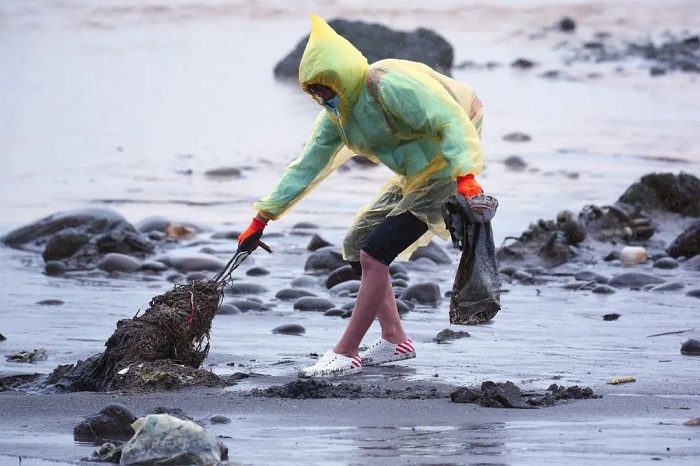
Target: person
(426, 128)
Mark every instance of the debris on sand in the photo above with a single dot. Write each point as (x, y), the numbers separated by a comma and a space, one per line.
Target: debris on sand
(161, 349)
(509, 395)
(314, 389)
(620, 380)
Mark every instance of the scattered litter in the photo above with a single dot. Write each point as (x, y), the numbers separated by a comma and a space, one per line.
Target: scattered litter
(620, 380)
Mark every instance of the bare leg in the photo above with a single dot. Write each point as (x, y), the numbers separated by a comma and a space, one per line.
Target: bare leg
(375, 298)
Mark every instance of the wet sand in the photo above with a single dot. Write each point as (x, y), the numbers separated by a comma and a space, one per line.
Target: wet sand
(623, 427)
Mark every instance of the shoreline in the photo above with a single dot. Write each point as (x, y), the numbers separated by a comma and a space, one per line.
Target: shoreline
(622, 427)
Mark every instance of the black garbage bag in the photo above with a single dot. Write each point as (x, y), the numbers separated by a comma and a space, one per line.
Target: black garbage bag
(476, 290)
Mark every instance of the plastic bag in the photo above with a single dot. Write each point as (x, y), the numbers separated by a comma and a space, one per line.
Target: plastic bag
(476, 290)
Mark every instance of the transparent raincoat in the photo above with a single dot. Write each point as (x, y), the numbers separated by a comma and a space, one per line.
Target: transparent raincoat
(424, 126)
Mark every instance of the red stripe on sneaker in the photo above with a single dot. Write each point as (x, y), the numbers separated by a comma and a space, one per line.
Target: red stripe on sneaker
(356, 361)
(405, 347)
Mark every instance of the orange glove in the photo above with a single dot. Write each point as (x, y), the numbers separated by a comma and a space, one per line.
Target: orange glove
(467, 186)
(249, 240)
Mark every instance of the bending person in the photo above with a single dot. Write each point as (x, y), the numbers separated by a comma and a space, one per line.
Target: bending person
(426, 128)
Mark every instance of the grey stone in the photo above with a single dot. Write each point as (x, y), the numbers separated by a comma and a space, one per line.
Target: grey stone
(289, 329)
(310, 303)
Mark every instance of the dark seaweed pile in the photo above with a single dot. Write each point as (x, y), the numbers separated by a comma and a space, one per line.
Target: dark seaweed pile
(162, 348)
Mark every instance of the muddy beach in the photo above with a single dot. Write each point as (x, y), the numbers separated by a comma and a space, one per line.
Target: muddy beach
(590, 360)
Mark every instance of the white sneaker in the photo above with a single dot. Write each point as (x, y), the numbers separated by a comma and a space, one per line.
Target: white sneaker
(331, 365)
(382, 351)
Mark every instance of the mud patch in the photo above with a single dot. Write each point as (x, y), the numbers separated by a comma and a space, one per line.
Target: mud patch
(314, 389)
(509, 395)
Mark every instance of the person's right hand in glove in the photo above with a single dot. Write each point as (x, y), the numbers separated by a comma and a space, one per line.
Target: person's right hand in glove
(249, 240)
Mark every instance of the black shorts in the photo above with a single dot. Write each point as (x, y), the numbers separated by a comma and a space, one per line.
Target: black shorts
(391, 237)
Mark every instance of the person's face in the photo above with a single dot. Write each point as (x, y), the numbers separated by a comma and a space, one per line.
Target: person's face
(322, 92)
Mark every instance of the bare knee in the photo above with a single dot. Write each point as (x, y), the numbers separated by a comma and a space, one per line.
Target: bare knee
(370, 264)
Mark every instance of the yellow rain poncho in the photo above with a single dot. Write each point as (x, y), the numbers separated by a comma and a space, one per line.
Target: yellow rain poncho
(422, 125)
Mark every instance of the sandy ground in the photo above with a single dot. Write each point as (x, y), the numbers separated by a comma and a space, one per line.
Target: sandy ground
(620, 428)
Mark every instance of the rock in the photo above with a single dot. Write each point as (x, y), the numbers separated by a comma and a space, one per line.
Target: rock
(192, 261)
(245, 305)
(694, 293)
(666, 263)
(257, 272)
(348, 288)
(588, 276)
(634, 280)
(397, 270)
(603, 289)
(224, 172)
(227, 309)
(115, 262)
(515, 162)
(55, 268)
(325, 259)
(242, 288)
(316, 242)
(2, 337)
(29, 356)
(174, 412)
(691, 348)
(304, 281)
(668, 286)
(524, 277)
(219, 419)
(164, 439)
(403, 307)
(434, 252)
(611, 316)
(566, 24)
(693, 263)
(153, 266)
(314, 304)
(612, 256)
(51, 302)
(289, 329)
(523, 64)
(666, 191)
(517, 137)
(340, 275)
(449, 335)
(687, 244)
(292, 294)
(423, 293)
(335, 312)
(377, 42)
(113, 422)
(64, 244)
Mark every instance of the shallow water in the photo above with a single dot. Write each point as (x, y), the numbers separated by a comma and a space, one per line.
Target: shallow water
(126, 104)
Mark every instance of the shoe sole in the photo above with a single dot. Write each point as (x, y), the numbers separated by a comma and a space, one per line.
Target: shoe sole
(395, 358)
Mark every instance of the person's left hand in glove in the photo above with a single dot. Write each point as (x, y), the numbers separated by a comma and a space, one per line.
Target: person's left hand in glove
(249, 240)
(467, 186)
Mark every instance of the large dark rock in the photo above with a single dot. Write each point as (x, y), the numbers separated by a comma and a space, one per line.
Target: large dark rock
(113, 422)
(687, 243)
(377, 42)
(665, 191)
(80, 238)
